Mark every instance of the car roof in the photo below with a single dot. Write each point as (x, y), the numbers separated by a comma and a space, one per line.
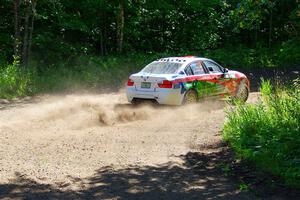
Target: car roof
(183, 60)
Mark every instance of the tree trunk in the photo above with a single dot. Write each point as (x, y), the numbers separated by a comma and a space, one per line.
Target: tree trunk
(33, 6)
(255, 37)
(101, 43)
(25, 37)
(120, 26)
(270, 26)
(105, 38)
(17, 39)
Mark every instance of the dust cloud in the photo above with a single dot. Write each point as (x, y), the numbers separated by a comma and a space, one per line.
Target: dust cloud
(84, 111)
(74, 135)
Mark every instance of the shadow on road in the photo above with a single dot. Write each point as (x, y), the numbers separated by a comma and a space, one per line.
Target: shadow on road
(199, 177)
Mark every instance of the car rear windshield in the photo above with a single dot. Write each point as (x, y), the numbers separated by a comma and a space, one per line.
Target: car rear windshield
(162, 68)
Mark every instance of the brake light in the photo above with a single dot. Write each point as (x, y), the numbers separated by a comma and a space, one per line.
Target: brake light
(130, 82)
(165, 84)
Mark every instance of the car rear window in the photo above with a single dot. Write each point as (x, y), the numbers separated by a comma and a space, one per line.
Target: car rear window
(162, 68)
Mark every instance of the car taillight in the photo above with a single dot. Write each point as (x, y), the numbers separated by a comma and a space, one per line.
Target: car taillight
(165, 84)
(130, 82)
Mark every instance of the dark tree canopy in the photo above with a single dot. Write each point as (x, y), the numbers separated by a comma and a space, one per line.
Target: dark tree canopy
(64, 28)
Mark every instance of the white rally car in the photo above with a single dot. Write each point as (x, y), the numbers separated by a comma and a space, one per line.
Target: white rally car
(179, 80)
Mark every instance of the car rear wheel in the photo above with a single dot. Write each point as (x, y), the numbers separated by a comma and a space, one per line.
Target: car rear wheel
(190, 97)
(242, 93)
(136, 101)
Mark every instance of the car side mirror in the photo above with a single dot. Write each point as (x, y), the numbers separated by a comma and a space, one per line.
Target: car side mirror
(226, 70)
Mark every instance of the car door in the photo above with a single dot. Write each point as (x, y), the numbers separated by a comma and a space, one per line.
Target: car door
(217, 78)
(189, 81)
(201, 85)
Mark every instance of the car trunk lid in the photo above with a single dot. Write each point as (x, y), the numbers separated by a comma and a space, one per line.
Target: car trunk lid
(148, 82)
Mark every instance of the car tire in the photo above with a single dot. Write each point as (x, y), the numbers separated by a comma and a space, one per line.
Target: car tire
(136, 102)
(242, 93)
(190, 97)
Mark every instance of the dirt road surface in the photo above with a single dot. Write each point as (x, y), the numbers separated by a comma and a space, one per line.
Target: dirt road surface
(97, 146)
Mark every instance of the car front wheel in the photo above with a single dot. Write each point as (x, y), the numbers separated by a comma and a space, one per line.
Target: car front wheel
(242, 93)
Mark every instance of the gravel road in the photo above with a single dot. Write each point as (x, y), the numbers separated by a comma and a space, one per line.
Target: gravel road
(98, 146)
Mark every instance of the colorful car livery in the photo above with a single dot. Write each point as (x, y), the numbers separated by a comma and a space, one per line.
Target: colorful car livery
(180, 80)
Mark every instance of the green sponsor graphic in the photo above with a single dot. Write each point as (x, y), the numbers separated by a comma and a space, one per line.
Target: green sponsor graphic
(205, 88)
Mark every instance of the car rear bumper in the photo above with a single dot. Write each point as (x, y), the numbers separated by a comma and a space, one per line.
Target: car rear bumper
(161, 95)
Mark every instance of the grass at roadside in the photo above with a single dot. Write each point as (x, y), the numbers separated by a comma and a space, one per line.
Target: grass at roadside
(268, 133)
(15, 81)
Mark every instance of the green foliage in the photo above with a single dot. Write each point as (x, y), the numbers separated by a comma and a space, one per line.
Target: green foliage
(242, 57)
(66, 29)
(249, 14)
(15, 81)
(268, 133)
(286, 54)
(244, 187)
(74, 43)
(289, 52)
(97, 73)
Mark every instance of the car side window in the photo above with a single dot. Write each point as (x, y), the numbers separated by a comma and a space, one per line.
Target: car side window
(212, 67)
(197, 68)
(188, 71)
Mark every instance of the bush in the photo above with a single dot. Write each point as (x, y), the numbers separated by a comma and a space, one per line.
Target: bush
(15, 81)
(289, 53)
(268, 133)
